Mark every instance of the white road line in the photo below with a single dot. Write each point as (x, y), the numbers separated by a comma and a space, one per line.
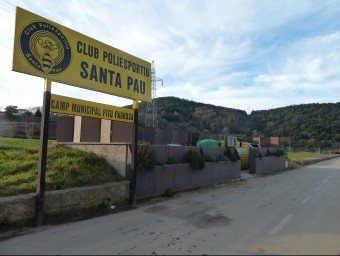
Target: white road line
(330, 176)
(317, 188)
(306, 199)
(281, 224)
(325, 181)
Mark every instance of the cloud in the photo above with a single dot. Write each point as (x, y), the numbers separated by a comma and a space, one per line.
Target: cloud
(240, 54)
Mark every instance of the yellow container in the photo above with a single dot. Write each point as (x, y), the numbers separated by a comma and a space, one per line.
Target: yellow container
(243, 151)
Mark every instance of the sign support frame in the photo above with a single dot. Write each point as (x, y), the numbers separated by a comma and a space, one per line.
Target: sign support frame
(40, 193)
(133, 188)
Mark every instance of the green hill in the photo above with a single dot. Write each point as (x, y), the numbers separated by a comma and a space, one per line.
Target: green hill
(306, 124)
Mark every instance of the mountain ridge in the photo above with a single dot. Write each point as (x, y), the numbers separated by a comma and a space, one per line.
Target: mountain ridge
(308, 124)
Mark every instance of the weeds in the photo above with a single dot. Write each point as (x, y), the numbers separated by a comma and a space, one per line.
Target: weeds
(146, 158)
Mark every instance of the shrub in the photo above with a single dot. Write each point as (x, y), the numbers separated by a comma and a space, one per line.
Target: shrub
(146, 158)
(257, 154)
(233, 156)
(281, 152)
(196, 159)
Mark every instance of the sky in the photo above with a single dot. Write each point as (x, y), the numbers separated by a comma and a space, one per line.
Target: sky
(240, 54)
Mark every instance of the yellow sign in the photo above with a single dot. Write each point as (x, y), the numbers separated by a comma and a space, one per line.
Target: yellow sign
(49, 50)
(71, 106)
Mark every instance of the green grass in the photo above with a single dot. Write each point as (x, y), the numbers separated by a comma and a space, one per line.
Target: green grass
(307, 155)
(21, 143)
(65, 167)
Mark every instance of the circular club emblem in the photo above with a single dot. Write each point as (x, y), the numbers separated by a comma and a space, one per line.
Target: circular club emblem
(45, 47)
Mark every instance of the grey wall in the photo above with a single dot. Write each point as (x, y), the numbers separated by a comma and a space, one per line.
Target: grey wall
(63, 203)
(266, 164)
(181, 176)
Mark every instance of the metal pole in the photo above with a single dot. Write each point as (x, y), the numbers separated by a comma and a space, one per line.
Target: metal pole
(43, 153)
(134, 155)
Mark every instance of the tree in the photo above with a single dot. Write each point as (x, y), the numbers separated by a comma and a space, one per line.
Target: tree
(30, 124)
(10, 111)
(28, 113)
(38, 113)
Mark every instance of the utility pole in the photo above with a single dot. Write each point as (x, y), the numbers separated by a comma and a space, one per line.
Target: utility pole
(151, 119)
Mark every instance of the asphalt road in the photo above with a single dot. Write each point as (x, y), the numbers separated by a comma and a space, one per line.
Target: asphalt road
(292, 212)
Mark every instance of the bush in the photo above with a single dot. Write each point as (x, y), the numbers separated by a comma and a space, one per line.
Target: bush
(257, 154)
(146, 158)
(281, 152)
(196, 159)
(233, 156)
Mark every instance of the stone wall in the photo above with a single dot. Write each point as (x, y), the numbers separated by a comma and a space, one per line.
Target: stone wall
(117, 155)
(63, 203)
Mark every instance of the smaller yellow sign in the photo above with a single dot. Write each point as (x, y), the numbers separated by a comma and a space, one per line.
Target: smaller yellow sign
(72, 106)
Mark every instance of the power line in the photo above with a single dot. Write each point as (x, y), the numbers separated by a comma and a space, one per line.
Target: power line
(11, 11)
(6, 11)
(9, 3)
(11, 48)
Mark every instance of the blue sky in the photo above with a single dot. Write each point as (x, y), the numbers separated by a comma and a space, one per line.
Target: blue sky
(248, 55)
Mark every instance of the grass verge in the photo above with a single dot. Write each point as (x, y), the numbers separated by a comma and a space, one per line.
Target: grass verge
(307, 155)
(65, 167)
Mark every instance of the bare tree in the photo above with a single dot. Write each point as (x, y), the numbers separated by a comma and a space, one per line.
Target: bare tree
(30, 123)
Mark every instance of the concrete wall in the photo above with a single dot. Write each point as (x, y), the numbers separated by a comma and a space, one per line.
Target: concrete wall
(178, 154)
(265, 164)
(122, 132)
(90, 129)
(86, 129)
(65, 127)
(274, 141)
(181, 176)
(117, 155)
(105, 131)
(62, 203)
(266, 141)
(77, 129)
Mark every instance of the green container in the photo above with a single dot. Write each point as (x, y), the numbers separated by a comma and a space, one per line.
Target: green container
(208, 144)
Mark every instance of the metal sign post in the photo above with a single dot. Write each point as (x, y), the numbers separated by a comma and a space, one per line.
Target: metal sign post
(134, 155)
(43, 153)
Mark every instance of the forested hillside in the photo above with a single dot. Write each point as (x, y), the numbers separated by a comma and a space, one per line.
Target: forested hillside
(175, 113)
(306, 124)
(311, 124)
